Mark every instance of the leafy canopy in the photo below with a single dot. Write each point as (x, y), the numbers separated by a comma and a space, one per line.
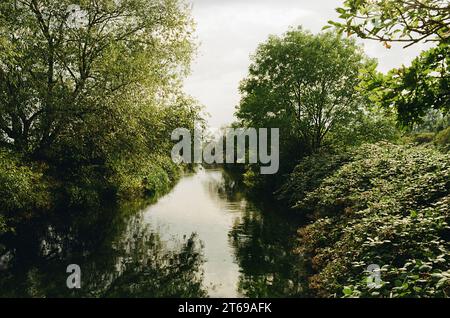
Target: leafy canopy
(414, 91)
(84, 76)
(408, 21)
(303, 83)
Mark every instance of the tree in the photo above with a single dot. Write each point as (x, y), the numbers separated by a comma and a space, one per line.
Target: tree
(416, 90)
(424, 86)
(408, 21)
(304, 84)
(81, 74)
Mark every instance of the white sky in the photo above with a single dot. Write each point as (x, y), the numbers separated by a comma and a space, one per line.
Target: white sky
(229, 31)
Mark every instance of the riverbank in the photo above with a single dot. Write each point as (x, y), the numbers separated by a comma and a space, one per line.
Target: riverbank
(32, 191)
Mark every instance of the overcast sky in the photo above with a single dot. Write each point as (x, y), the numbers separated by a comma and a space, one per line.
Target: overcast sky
(229, 31)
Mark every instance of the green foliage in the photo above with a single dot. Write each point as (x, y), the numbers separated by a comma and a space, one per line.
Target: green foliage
(21, 186)
(442, 139)
(86, 80)
(309, 174)
(154, 177)
(433, 121)
(395, 20)
(95, 101)
(421, 138)
(23, 190)
(388, 206)
(308, 86)
(414, 91)
(313, 169)
(370, 126)
(304, 84)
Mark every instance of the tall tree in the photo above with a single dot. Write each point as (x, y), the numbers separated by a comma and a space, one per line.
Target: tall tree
(87, 69)
(304, 84)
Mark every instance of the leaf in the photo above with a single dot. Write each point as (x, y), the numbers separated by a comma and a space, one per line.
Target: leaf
(347, 290)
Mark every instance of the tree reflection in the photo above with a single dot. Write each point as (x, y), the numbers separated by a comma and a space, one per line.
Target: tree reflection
(119, 257)
(264, 239)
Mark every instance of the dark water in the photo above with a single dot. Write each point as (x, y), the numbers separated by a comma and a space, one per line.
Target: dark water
(202, 239)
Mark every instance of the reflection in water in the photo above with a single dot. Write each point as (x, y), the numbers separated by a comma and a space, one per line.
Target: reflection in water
(195, 207)
(203, 238)
(118, 258)
(268, 266)
(248, 251)
(264, 240)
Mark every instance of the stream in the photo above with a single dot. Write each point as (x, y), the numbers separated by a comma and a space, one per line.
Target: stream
(204, 238)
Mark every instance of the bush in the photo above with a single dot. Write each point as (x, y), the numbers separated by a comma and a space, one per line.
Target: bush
(90, 186)
(389, 206)
(150, 176)
(309, 174)
(371, 127)
(23, 189)
(442, 140)
(422, 138)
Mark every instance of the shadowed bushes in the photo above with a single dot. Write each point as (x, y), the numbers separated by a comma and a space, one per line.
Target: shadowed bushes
(23, 190)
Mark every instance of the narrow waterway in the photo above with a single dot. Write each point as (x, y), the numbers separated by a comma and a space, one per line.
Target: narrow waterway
(204, 238)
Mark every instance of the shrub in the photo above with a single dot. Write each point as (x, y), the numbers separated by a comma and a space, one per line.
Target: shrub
(150, 176)
(23, 189)
(442, 139)
(388, 206)
(367, 127)
(309, 174)
(422, 138)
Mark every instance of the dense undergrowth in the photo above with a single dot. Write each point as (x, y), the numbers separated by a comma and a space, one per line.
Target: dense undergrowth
(382, 204)
(23, 190)
(30, 190)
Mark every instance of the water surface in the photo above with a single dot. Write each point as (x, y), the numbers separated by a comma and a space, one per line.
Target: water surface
(204, 238)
